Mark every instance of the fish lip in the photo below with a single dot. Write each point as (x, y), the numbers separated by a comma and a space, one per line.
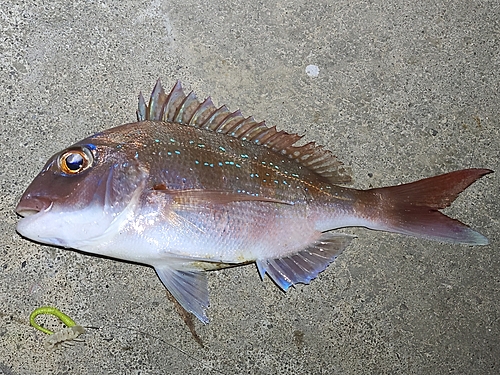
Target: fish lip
(29, 206)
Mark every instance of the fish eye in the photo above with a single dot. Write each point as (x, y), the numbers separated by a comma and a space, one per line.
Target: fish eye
(75, 160)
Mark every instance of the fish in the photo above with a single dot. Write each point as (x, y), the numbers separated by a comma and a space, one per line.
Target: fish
(191, 187)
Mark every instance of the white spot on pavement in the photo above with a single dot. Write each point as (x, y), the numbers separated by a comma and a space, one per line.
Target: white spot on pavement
(312, 71)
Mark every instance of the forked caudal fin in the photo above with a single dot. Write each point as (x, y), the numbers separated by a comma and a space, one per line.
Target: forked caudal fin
(412, 208)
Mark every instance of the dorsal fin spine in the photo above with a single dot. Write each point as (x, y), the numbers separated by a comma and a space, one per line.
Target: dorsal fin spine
(234, 130)
(265, 135)
(229, 122)
(186, 110)
(254, 131)
(243, 127)
(204, 111)
(214, 120)
(141, 110)
(274, 139)
(175, 96)
(154, 101)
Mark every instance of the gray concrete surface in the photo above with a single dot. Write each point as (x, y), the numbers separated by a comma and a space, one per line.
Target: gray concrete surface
(404, 91)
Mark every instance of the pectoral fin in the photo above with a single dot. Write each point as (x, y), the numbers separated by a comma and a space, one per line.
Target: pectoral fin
(304, 266)
(189, 288)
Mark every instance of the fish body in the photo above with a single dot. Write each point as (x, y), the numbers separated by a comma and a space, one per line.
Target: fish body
(191, 187)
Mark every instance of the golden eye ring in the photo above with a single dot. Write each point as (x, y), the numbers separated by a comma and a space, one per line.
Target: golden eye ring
(74, 161)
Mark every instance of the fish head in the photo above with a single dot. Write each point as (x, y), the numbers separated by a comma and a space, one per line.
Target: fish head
(79, 194)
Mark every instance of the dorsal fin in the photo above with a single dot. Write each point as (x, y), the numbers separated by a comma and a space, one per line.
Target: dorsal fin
(185, 109)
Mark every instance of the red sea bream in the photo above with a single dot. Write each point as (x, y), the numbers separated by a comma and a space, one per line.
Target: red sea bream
(191, 188)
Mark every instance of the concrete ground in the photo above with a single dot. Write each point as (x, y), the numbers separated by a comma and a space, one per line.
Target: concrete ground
(404, 91)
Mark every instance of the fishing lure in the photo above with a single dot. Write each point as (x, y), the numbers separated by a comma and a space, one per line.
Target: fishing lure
(71, 332)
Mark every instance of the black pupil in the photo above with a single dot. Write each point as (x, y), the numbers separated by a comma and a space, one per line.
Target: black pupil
(74, 162)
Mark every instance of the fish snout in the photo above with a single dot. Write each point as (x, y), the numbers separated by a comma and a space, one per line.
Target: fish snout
(31, 205)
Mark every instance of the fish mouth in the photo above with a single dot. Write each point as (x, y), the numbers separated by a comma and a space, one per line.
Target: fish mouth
(29, 206)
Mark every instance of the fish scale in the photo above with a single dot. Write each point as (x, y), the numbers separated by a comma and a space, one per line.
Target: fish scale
(191, 188)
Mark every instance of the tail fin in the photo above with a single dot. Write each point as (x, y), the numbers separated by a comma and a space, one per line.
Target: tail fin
(413, 208)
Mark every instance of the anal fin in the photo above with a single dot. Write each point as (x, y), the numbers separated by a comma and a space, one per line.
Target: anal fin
(302, 267)
(189, 288)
